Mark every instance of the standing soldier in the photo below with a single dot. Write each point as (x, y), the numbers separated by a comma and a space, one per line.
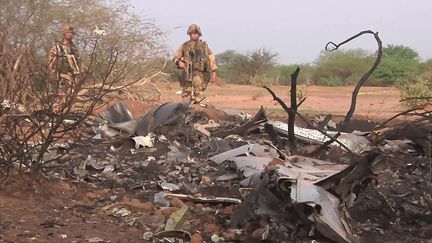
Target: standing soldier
(64, 64)
(198, 63)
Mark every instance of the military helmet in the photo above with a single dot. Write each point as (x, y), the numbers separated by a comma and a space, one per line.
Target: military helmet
(67, 28)
(194, 28)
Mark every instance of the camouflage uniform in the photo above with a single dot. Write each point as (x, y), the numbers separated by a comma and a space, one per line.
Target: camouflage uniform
(199, 61)
(64, 61)
(64, 66)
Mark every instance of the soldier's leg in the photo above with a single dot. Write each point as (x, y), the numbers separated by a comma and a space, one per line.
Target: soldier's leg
(197, 85)
(64, 89)
(187, 89)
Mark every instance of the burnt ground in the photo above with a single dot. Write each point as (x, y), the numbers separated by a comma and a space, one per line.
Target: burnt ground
(118, 205)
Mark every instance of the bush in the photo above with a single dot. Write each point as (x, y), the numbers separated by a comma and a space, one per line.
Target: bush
(245, 68)
(330, 81)
(416, 93)
(263, 79)
(398, 64)
(341, 67)
(283, 74)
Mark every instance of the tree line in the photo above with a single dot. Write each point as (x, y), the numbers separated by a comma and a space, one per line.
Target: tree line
(342, 67)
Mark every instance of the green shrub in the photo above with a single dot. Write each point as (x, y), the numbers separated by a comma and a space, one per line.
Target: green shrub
(416, 93)
(330, 81)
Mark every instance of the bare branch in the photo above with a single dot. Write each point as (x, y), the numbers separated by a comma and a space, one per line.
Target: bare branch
(364, 78)
(288, 109)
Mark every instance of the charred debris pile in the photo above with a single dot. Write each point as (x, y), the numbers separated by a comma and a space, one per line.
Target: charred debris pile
(228, 176)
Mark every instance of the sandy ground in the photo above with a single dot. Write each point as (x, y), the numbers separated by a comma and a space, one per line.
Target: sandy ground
(372, 102)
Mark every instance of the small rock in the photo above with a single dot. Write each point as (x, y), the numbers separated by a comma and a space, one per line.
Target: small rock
(199, 206)
(167, 211)
(153, 221)
(97, 136)
(91, 195)
(169, 186)
(196, 238)
(228, 210)
(211, 228)
(122, 212)
(159, 199)
(217, 238)
(257, 234)
(175, 202)
(229, 236)
(147, 236)
(95, 240)
(125, 199)
(206, 180)
(136, 203)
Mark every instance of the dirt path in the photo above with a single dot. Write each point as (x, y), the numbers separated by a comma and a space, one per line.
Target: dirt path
(372, 102)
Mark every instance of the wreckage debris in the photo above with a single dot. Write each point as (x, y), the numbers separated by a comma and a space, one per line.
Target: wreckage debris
(356, 143)
(307, 204)
(210, 160)
(251, 149)
(204, 199)
(165, 114)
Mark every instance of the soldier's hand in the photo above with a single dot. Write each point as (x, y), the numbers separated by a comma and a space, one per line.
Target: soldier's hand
(181, 65)
(213, 77)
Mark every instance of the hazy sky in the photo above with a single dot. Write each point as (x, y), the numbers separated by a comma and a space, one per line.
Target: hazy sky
(297, 30)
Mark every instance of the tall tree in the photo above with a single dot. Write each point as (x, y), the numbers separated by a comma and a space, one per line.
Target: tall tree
(399, 63)
(256, 63)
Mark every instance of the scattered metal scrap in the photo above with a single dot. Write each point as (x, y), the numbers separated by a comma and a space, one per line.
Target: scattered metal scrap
(264, 167)
(296, 181)
(204, 199)
(293, 195)
(356, 143)
(250, 149)
(297, 196)
(165, 114)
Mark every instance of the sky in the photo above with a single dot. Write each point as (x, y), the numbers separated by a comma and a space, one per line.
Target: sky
(296, 30)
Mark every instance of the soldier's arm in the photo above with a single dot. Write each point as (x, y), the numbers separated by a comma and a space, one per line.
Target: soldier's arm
(178, 56)
(213, 65)
(212, 59)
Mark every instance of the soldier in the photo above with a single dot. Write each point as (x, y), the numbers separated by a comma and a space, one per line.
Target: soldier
(198, 63)
(64, 62)
(64, 66)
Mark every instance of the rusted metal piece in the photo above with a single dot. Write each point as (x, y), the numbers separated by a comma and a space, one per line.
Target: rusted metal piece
(203, 127)
(117, 113)
(204, 199)
(259, 118)
(214, 113)
(119, 121)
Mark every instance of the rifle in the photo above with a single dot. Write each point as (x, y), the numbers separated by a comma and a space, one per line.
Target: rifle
(73, 63)
(196, 58)
(188, 70)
